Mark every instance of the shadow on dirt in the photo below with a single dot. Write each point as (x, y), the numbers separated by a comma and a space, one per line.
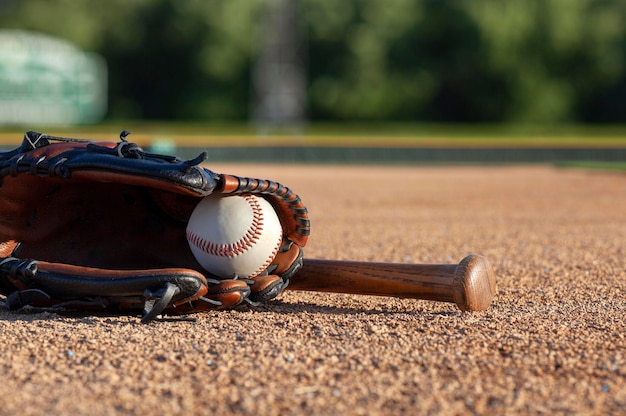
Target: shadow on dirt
(31, 314)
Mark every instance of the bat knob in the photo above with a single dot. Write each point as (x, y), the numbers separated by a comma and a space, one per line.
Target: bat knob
(474, 284)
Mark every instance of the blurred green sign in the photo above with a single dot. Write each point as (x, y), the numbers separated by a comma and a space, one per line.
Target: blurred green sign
(45, 80)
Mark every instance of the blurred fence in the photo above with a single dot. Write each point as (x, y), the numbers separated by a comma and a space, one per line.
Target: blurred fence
(397, 155)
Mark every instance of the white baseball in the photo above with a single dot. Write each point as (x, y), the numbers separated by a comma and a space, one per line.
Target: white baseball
(234, 234)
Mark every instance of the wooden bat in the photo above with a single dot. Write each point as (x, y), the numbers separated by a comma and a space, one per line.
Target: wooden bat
(471, 283)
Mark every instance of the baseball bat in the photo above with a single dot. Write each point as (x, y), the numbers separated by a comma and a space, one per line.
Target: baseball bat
(471, 283)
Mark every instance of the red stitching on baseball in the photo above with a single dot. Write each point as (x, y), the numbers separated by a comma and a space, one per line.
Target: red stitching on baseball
(269, 259)
(238, 247)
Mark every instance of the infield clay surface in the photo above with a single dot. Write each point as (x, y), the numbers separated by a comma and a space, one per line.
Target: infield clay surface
(552, 342)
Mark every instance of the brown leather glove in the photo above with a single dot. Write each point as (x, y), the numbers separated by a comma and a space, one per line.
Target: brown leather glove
(101, 226)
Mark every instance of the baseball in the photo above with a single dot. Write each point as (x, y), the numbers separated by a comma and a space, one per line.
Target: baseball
(234, 234)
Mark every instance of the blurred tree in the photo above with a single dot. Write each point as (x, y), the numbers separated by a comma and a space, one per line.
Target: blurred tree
(556, 55)
(379, 60)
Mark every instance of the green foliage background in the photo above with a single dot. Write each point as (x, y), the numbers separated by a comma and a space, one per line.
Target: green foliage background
(531, 61)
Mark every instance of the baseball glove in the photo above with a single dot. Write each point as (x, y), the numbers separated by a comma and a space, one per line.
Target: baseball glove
(101, 226)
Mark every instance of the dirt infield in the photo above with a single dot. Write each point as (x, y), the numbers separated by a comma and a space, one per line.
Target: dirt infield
(553, 341)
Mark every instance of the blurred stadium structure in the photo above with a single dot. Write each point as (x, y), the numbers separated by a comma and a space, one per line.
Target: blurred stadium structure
(279, 73)
(45, 80)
